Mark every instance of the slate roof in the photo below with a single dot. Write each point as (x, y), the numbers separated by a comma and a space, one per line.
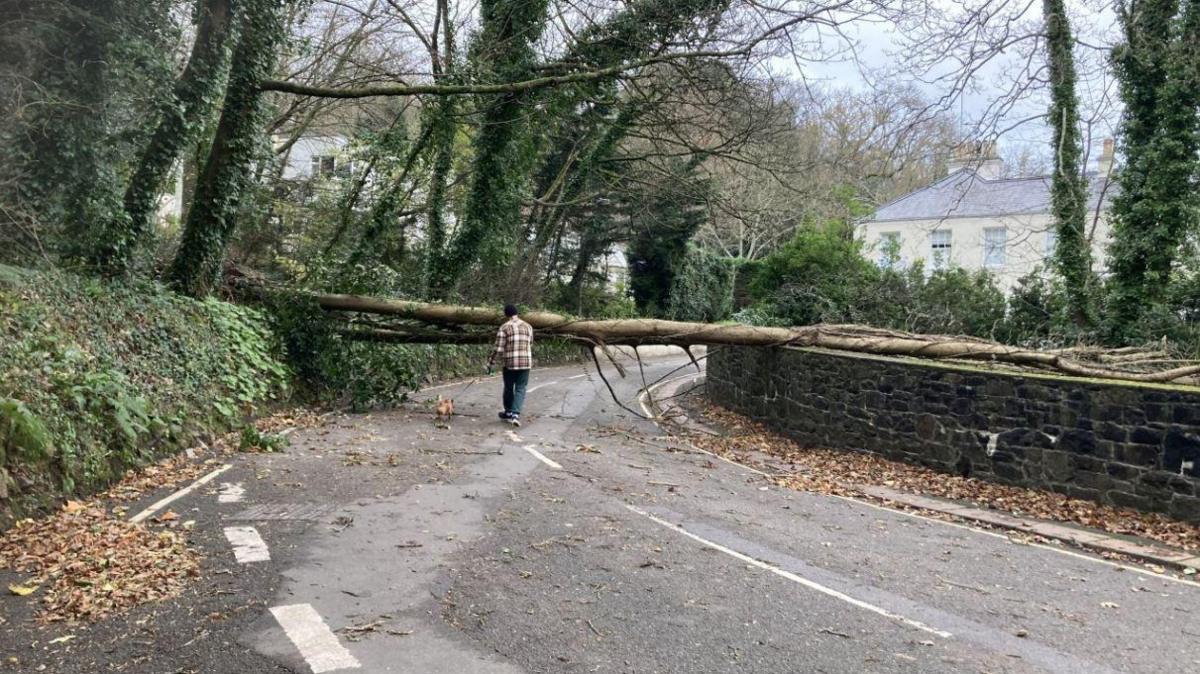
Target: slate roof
(963, 194)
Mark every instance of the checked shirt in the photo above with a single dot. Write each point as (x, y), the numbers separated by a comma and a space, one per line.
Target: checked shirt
(514, 345)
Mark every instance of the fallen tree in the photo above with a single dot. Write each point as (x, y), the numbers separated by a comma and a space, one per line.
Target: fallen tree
(453, 323)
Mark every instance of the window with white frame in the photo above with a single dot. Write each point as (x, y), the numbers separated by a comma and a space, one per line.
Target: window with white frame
(939, 248)
(995, 241)
(888, 249)
(323, 165)
(1050, 244)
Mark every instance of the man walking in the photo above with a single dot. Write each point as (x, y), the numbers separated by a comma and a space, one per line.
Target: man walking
(514, 346)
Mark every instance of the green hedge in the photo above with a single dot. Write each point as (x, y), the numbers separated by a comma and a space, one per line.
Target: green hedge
(702, 288)
(98, 377)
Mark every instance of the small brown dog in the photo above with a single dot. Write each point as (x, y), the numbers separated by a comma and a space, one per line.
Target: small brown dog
(444, 408)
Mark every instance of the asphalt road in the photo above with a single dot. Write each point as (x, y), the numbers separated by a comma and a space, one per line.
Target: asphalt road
(476, 548)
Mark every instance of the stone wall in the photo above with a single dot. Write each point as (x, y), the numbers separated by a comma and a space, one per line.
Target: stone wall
(1126, 445)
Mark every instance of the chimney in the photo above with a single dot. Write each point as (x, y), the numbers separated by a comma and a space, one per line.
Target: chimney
(1104, 164)
(978, 156)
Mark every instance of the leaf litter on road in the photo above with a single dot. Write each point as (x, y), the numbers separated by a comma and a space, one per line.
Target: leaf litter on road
(88, 564)
(839, 472)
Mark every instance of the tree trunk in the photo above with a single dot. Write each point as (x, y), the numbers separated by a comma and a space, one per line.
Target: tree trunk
(504, 51)
(181, 117)
(645, 331)
(211, 221)
(1156, 206)
(1068, 189)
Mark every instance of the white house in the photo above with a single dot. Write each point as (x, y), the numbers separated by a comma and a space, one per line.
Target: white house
(316, 156)
(975, 219)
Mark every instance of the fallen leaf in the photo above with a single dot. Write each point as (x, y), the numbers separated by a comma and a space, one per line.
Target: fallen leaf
(62, 640)
(836, 472)
(23, 590)
(1110, 604)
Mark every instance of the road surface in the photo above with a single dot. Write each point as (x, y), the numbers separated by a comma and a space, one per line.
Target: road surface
(382, 543)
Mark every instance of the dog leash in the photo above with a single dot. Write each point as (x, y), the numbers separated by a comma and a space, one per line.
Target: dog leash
(464, 389)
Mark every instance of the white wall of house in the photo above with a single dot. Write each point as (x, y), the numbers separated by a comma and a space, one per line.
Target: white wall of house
(170, 202)
(305, 155)
(1013, 247)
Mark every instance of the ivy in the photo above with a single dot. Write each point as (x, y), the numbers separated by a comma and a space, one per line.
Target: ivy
(1157, 67)
(88, 68)
(702, 288)
(97, 377)
(127, 232)
(1068, 189)
(211, 220)
(504, 150)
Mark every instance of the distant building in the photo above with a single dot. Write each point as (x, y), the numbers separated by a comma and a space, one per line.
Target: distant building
(975, 219)
(321, 156)
(615, 268)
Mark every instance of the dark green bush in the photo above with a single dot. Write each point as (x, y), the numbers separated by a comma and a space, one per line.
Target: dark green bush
(822, 276)
(702, 288)
(98, 377)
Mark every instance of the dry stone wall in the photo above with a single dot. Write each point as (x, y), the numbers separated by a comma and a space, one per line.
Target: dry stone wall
(1127, 445)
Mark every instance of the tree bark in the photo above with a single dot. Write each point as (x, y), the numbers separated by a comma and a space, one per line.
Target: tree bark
(181, 117)
(645, 331)
(211, 221)
(1068, 189)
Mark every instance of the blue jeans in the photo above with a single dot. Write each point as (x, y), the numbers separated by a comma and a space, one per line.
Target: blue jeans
(515, 382)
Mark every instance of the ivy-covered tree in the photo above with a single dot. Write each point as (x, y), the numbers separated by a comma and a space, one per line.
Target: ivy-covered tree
(77, 74)
(1068, 188)
(211, 220)
(662, 228)
(502, 52)
(1157, 65)
(182, 114)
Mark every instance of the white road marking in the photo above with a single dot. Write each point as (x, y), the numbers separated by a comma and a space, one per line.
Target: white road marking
(179, 494)
(312, 637)
(248, 546)
(512, 435)
(541, 457)
(958, 525)
(231, 492)
(783, 573)
(549, 383)
(578, 376)
(1040, 546)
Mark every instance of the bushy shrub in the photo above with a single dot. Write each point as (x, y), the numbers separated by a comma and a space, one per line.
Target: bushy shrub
(98, 377)
(702, 288)
(956, 301)
(820, 276)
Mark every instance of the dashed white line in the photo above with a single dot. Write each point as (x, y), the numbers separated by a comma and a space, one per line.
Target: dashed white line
(231, 492)
(313, 638)
(541, 457)
(179, 494)
(248, 546)
(783, 573)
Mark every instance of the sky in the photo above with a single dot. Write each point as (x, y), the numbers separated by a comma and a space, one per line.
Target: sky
(884, 53)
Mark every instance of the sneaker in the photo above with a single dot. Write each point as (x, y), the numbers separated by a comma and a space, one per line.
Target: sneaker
(505, 416)
(515, 420)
